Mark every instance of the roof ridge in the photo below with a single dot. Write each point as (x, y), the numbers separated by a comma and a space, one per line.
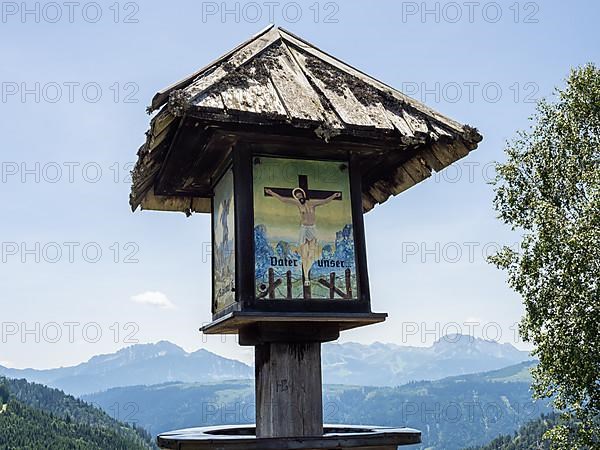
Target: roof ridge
(302, 44)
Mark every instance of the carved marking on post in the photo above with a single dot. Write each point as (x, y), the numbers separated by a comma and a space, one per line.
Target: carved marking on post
(282, 385)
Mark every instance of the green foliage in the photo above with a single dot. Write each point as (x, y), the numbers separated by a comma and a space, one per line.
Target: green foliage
(40, 417)
(4, 393)
(536, 434)
(24, 427)
(549, 189)
(529, 436)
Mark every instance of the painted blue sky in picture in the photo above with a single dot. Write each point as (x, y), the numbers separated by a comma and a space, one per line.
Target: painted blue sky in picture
(82, 275)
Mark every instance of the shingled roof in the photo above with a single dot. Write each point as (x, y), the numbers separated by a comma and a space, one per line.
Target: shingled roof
(278, 79)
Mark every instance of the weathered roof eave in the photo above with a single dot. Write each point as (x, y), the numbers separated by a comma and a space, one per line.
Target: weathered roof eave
(469, 135)
(430, 156)
(162, 96)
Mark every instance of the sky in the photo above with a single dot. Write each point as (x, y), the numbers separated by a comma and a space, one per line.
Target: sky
(82, 275)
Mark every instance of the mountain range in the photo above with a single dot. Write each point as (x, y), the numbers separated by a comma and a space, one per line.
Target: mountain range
(452, 413)
(137, 364)
(391, 365)
(349, 363)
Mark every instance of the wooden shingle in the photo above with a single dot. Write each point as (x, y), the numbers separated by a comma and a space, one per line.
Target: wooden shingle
(278, 81)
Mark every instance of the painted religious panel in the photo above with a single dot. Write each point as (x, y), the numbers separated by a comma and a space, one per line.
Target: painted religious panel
(223, 243)
(303, 234)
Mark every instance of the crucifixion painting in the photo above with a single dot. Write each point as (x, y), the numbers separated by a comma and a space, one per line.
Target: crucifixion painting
(307, 241)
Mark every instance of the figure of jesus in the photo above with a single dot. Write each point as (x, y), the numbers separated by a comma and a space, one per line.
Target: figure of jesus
(307, 241)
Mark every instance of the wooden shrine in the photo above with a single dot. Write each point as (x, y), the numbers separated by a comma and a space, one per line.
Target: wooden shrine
(287, 147)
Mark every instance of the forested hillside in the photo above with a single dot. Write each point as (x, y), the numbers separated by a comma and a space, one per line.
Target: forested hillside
(33, 416)
(451, 413)
(529, 436)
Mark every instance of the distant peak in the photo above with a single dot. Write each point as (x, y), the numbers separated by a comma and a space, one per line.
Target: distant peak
(160, 345)
(166, 345)
(460, 342)
(141, 351)
(456, 338)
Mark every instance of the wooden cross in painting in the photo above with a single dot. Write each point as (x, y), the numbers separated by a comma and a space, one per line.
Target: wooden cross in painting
(310, 194)
(306, 200)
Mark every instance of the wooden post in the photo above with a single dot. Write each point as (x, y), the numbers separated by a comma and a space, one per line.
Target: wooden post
(348, 283)
(271, 283)
(332, 285)
(288, 279)
(289, 400)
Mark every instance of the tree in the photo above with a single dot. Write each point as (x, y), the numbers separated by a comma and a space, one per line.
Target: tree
(4, 393)
(549, 190)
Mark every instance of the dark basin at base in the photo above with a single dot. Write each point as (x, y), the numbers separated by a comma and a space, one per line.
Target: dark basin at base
(241, 437)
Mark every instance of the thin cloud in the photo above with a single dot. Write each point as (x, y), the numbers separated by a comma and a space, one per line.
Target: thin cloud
(153, 298)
